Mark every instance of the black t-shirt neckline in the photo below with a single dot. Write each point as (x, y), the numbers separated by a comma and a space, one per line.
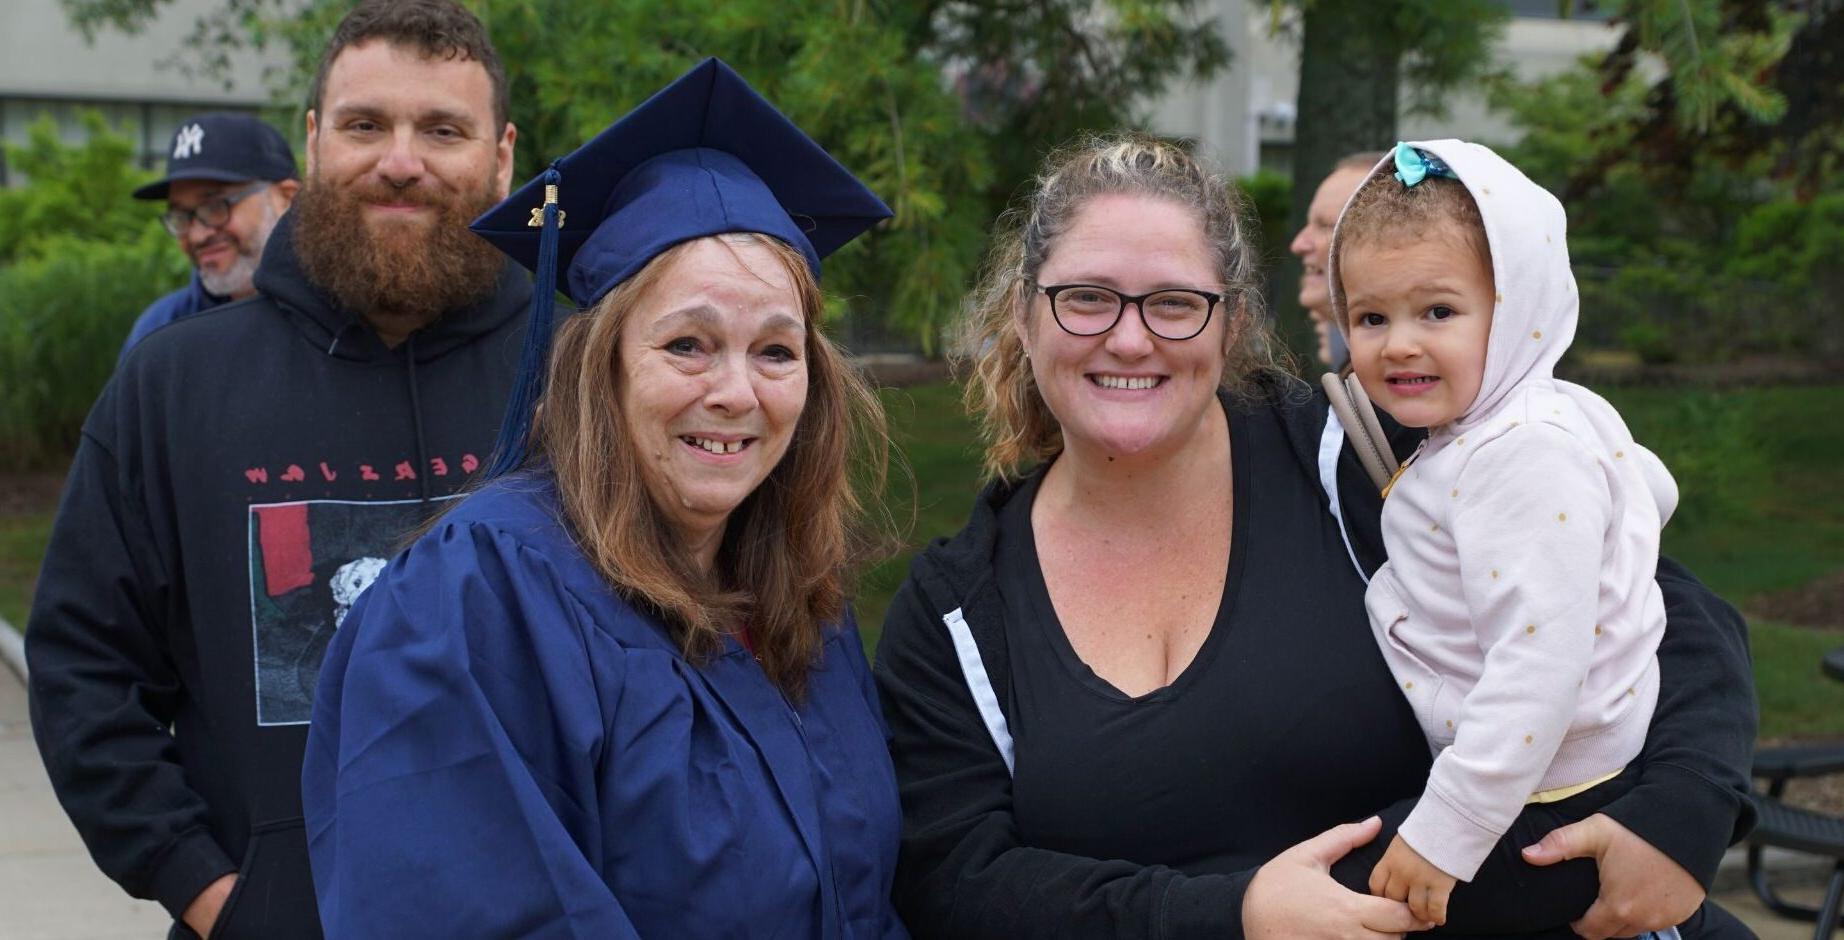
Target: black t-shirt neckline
(1019, 568)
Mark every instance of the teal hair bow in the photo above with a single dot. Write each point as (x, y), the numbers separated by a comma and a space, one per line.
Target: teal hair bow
(1413, 166)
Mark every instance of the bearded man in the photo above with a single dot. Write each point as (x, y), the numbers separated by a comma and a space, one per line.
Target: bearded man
(229, 177)
(242, 457)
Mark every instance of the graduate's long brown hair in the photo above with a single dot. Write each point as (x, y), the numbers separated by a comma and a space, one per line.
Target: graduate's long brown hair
(784, 565)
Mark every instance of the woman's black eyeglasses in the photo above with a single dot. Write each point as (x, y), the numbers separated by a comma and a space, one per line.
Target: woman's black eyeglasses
(1091, 310)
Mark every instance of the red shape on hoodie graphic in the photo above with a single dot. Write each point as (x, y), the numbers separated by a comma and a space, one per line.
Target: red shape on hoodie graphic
(288, 552)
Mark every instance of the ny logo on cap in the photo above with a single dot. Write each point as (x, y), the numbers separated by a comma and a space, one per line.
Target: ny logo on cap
(188, 142)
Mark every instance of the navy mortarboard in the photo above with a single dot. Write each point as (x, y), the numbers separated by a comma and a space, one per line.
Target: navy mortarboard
(704, 156)
(223, 147)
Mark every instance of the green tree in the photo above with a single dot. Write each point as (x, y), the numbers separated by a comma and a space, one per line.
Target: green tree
(1742, 77)
(943, 106)
(1361, 63)
(1688, 245)
(1035, 74)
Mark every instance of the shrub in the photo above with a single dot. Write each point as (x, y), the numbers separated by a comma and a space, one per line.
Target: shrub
(79, 259)
(1649, 341)
(1270, 197)
(72, 192)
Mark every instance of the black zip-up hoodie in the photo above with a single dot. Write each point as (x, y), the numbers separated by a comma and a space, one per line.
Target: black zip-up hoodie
(949, 703)
(240, 479)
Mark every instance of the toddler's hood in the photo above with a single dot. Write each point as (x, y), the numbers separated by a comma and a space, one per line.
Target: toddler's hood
(1537, 304)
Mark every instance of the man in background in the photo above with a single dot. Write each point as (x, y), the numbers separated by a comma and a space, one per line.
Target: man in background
(229, 177)
(1313, 245)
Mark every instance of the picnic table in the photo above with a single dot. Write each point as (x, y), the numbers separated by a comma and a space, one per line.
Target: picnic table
(1798, 829)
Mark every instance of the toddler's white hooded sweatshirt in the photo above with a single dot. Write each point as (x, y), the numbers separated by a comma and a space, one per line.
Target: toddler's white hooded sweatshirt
(1518, 609)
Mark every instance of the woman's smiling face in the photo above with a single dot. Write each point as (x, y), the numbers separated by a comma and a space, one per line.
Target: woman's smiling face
(1127, 392)
(714, 380)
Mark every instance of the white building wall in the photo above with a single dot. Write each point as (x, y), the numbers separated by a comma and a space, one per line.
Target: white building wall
(1217, 113)
(1245, 116)
(46, 68)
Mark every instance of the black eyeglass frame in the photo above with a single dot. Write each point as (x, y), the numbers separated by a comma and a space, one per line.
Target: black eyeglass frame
(1137, 301)
(221, 203)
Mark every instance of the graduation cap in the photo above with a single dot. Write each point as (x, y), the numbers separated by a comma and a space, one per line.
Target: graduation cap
(704, 156)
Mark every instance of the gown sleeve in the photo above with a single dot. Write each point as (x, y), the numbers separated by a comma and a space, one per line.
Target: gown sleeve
(449, 780)
(892, 927)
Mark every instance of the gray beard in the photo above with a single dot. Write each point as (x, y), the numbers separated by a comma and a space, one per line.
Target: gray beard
(239, 280)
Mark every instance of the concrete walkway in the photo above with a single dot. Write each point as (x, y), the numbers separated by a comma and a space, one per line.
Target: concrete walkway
(49, 888)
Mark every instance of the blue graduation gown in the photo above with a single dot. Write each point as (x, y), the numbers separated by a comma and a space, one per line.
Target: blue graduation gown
(501, 747)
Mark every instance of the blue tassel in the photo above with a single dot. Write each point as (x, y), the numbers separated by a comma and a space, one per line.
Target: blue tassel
(515, 429)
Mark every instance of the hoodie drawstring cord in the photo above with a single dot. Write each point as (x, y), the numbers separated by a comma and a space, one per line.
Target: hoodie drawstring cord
(337, 335)
(416, 420)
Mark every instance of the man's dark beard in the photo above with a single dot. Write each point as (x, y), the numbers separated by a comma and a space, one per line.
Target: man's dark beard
(408, 275)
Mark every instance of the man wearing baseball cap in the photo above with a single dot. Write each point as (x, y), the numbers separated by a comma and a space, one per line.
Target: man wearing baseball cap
(229, 177)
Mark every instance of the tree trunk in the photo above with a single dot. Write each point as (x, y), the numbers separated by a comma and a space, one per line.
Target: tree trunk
(1350, 76)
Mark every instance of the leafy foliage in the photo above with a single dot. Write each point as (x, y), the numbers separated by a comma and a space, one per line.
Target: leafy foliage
(1706, 258)
(1269, 195)
(1706, 65)
(1740, 77)
(79, 259)
(943, 106)
(76, 192)
(1034, 74)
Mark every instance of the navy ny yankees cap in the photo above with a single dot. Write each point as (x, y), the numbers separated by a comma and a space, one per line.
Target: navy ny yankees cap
(223, 147)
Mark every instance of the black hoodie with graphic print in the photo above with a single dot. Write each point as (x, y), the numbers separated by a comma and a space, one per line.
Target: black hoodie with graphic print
(237, 484)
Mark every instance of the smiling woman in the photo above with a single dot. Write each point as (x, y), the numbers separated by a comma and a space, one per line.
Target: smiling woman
(714, 377)
(716, 371)
(1139, 689)
(618, 692)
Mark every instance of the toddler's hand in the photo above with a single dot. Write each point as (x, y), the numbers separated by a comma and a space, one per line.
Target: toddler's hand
(1403, 875)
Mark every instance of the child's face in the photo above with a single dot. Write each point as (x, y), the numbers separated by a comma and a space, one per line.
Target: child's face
(1420, 313)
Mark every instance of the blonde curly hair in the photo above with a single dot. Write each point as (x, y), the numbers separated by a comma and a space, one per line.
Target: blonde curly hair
(1018, 429)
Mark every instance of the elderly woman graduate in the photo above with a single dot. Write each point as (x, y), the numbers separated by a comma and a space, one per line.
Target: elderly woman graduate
(616, 692)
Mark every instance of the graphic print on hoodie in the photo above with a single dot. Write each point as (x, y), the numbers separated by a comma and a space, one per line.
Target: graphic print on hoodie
(237, 484)
(1518, 610)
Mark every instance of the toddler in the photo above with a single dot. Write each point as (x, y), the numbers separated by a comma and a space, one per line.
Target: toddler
(1518, 609)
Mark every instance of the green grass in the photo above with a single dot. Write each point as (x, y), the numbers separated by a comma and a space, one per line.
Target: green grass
(934, 469)
(1761, 480)
(22, 541)
(1797, 701)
